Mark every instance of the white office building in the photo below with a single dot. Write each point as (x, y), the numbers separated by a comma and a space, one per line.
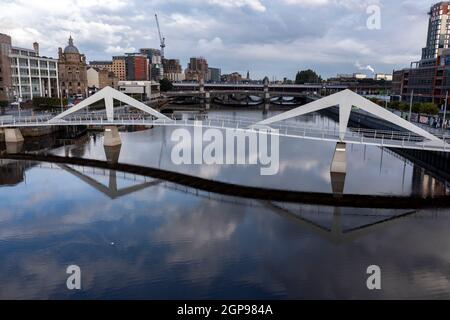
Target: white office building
(32, 75)
(141, 90)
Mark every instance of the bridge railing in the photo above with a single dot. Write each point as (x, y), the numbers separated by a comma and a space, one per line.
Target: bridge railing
(289, 129)
(237, 122)
(333, 131)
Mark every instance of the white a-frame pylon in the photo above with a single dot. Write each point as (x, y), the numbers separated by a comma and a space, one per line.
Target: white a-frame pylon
(109, 94)
(345, 100)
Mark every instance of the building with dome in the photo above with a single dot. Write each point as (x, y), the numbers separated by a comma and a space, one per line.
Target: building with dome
(72, 71)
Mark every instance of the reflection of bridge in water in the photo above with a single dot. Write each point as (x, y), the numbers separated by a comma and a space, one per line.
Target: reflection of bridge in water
(305, 216)
(336, 199)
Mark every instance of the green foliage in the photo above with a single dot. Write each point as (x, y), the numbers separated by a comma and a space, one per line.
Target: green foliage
(3, 103)
(428, 108)
(307, 76)
(417, 107)
(403, 107)
(46, 103)
(399, 105)
(425, 108)
(166, 85)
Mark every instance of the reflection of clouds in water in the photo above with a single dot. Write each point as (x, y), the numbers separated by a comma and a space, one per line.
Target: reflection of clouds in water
(210, 172)
(306, 166)
(81, 214)
(334, 271)
(325, 175)
(6, 214)
(206, 248)
(201, 239)
(40, 276)
(42, 197)
(204, 225)
(84, 213)
(61, 208)
(203, 248)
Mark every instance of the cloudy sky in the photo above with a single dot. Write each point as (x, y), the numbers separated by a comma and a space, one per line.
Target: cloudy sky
(268, 37)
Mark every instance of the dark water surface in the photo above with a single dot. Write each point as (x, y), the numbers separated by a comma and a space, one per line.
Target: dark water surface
(138, 237)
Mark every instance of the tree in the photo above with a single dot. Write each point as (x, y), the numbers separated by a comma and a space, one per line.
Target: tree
(307, 76)
(166, 85)
(403, 106)
(399, 105)
(429, 108)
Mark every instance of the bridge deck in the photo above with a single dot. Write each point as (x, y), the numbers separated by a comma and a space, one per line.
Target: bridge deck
(389, 139)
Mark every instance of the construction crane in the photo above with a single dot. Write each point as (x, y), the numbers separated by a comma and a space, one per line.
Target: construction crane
(161, 38)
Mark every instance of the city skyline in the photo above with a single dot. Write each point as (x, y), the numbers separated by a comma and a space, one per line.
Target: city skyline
(235, 35)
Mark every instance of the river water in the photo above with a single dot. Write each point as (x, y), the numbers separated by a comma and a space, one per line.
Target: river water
(140, 237)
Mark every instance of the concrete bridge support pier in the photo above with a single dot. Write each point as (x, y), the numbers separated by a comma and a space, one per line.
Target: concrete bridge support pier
(339, 164)
(14, 140)
(112, 154)
(13, 135)
(14, 147)
(339, 169)
(112, 137)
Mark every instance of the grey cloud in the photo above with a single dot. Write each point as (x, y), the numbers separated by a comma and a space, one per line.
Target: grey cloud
(274, 38)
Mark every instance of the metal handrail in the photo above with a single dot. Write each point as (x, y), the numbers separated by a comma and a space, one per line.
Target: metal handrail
(361, 135)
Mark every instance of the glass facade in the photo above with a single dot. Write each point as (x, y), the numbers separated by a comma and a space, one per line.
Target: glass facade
(438, 30)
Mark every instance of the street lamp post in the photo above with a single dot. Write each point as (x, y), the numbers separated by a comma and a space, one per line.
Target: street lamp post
(61, 99)
(445, 110)
(18, 106)
(411, 105)
(386, 98)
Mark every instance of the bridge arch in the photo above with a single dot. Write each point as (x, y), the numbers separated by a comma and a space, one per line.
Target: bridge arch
(345, 100)
(109, 95)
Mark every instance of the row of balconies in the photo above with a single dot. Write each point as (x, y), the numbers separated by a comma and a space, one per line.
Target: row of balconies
(14, 66)
(32, 63)
(26, 90)
(34, 73)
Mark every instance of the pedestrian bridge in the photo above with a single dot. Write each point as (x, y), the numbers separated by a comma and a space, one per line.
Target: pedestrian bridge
(409, 136)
